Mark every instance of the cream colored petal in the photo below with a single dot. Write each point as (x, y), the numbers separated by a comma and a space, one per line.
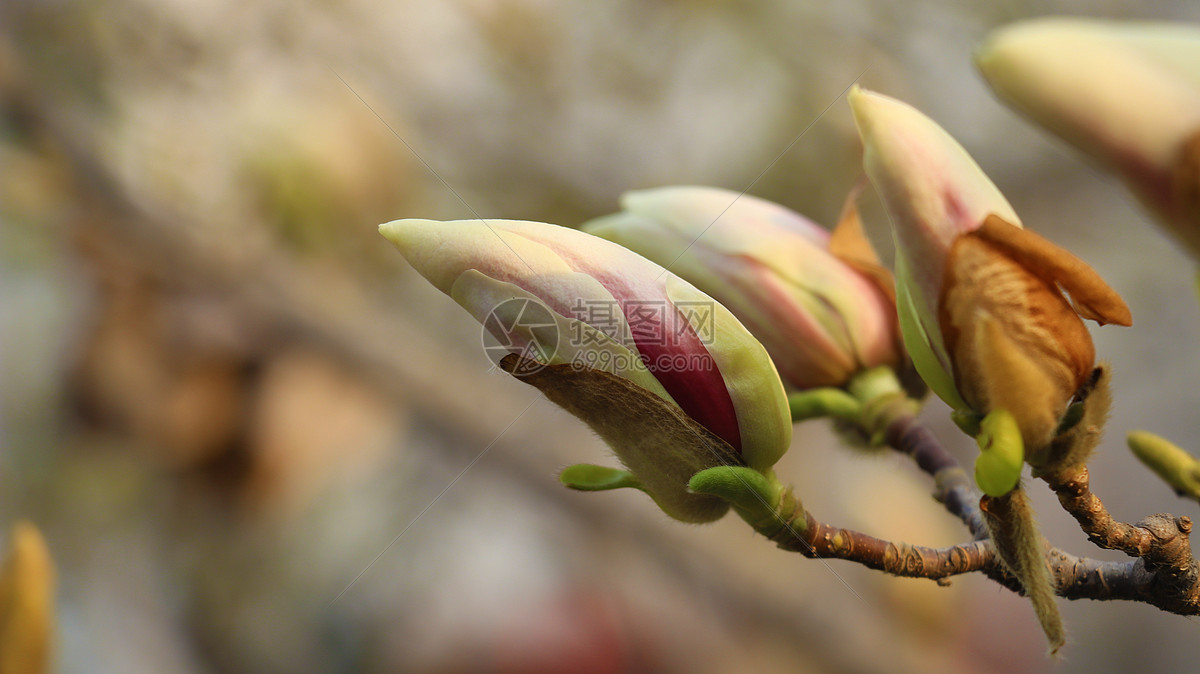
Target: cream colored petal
(736, 225)
(932, 189)
(440, 251)
(1173, 46)
(694, 210)
(1124, 94)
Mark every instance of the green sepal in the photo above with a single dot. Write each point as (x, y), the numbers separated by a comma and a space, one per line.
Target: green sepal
(590, 477)
(753, 495)
(926, 354)
(1002, 453)
(967, 421)
(824, 402)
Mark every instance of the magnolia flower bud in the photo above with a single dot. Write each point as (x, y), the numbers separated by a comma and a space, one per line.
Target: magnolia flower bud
(1128, 94)
(821, 319)
(980, 299)
(614, 311)
(26, 602)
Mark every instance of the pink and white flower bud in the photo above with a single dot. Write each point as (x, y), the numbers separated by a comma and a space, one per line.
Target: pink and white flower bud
(643, 322)
(1125, 93)
(980, 299)
(820, 319)
(933, 191)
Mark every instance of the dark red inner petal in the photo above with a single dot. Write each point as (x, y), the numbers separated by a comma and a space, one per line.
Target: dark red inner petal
(677, 357)
(667, 345)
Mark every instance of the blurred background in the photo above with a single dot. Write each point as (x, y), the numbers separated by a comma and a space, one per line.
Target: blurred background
(229, 404)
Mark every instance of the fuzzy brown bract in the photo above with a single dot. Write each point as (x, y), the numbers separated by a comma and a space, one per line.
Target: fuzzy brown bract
(1016, 341)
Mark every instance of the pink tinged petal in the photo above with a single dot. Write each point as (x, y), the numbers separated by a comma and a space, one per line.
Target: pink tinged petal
(673, 351)
(817, 316)
(733, 226)
(874, 326)
(662, 336)
(844, 304)
(789, 320)
(571, 340)
(561, 266)
(765, 302)
(809, 354)
(692, 211)
(1128, 94)
(931, 187)
(933, 192)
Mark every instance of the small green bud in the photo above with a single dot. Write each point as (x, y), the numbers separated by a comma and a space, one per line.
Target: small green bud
(589, 477)
(1002, 453)
(1175, 466)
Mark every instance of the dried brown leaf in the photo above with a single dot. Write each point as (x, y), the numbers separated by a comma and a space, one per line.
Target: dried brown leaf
(849, 243)
(1091, 297)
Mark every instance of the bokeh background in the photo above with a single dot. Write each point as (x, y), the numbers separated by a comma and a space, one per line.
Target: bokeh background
(229, 405)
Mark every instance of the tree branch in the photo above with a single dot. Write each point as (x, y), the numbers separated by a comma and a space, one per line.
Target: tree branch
(1074, 577)
(952, 487)
(1165, 573)
(1073, 487)
(1160, 542)
(818, 540)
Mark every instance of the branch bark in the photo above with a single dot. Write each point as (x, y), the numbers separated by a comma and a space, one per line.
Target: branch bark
(1074, 577)
(818, 540)
(952, 487)
(1165, 565)
(1164, 573)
